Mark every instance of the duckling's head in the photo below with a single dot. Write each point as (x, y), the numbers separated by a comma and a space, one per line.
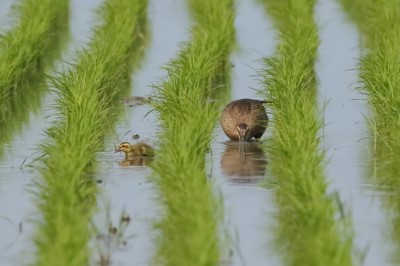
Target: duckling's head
(243, 130)
(124, 146)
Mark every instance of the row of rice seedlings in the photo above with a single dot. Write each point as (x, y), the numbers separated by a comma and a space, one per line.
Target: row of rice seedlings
(86, 106)
(189, 226)
(308, 231)
(380, 76)
(379, 23)
(26, 50)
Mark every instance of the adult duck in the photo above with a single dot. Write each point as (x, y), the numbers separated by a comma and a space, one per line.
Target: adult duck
(244, 119)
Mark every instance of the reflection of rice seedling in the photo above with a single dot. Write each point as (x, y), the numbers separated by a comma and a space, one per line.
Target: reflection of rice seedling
(87, 100)
(25, 52)
(308, 232)
(379, 23)
(189, 227)
(379, 74)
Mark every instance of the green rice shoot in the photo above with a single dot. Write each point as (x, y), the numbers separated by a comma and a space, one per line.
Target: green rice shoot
(307, 230)
(87, 93)
(379, 70)
(27, 50)
(189, 228)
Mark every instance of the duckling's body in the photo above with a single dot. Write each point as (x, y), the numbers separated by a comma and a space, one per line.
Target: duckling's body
(244, 119)
(140, 149)
(145, 150)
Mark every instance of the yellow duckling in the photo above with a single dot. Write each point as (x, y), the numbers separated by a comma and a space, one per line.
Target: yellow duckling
(140, 149)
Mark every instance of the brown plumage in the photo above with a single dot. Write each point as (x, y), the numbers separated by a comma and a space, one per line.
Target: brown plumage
(140, 149)
(244, 119)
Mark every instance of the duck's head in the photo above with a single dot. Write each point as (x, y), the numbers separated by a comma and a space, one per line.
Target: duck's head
(124, 146)
(243, 130)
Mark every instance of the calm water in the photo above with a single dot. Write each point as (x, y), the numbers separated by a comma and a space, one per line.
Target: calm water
(17, 209)
(128, 187)
(237, 170)
(346, 133)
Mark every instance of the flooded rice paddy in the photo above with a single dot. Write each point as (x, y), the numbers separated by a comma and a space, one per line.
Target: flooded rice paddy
(238, 170)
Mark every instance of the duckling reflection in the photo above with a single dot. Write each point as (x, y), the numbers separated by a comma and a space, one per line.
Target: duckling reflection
(245, 161)
(138, 154)
(136, 100)
(136, 161)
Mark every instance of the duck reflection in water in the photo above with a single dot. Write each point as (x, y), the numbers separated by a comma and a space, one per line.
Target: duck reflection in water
(243, 162)
(137, 161)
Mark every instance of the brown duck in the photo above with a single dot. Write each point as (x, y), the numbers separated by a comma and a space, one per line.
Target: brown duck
(244, 119)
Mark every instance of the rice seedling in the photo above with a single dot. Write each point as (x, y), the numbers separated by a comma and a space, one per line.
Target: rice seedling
(189, 227)
(26, 51)
(87, 95)
(379, 75)
(379, 71)
(309, 230)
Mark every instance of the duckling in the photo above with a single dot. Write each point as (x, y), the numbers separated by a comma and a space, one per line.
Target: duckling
(244, 119)
(145, 150)
(128, 149)
(140, 149)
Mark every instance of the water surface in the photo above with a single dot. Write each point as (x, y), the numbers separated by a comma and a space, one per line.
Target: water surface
(345, 135)
(127, 187)
(236, 170)
(17, 179)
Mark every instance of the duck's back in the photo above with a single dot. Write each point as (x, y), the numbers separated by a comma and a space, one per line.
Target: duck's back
(248, 111)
